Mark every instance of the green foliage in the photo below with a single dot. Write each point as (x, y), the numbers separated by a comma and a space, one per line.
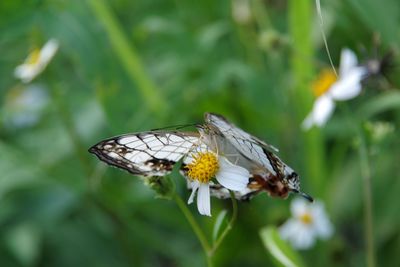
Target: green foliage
(282, 252)
(128, 66)
(221, 219)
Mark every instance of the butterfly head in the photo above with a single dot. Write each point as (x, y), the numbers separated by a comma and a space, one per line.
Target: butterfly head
(293, 183)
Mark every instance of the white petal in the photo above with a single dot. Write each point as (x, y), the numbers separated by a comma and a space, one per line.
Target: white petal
(26, 72)
(300, 236)
(194, 185)
(322, 225)
(298, 207)
(203, 200)
(349, 86)
(308, 122)
(348, 61)
(322, 110)
(289, 228)
(48, 51)
(318, 209)
(304, 238)
(232, 176)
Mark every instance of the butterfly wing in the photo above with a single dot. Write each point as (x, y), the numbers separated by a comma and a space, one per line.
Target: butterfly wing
(228, 128)
(249, 146)
(280, 177)
(152, 153)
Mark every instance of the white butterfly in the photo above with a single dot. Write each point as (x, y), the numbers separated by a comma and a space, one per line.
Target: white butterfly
(154, 153)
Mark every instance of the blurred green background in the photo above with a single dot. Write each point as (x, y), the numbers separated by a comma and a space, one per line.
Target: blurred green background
(128, 66)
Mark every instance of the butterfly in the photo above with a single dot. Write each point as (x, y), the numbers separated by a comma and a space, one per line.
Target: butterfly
(155, 153)
(269, 172)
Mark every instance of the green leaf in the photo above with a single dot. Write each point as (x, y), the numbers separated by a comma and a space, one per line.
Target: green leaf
(283, 254)
(13, 176)
(384, 102)
(218, 224)
(24, 242)
(370, 11)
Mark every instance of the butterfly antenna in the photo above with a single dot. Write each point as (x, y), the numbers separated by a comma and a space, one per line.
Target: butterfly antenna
(305, 195)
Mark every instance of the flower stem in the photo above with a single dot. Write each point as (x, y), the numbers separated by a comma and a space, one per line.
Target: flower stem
(366, 176)
(196, 228)
(218, 242)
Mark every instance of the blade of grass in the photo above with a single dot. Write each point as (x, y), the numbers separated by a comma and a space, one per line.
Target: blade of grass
(368, 208)
(300, 17)
(128, 56)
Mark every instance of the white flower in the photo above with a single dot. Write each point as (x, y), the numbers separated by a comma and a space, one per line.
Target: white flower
(24, 106)
(330, 88)
(203, 167)
(308, 223)
(36, 62)
(241, 11)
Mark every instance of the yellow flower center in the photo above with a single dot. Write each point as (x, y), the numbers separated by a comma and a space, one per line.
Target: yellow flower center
(324, 81)
(33, 57)
(203, 167)
(306, 218)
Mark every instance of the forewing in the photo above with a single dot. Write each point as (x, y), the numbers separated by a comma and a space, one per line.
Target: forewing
(249, 146)
(227, 128)
(151, 153)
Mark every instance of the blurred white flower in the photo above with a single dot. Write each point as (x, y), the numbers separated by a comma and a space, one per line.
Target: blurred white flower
(202, 167)
(23, 107)
(36, 61)
(309, 222)
(241, 11)
(330, 88)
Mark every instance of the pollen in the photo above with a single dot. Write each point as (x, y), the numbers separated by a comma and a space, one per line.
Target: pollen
(203, 167)
(306, 218)
(324, 81)
(33, 57)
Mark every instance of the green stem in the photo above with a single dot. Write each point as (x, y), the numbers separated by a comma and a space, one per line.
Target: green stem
(218, 242)
(300, 24)
(128, 56)
(196, 228)
(365, 170)
(366, 176)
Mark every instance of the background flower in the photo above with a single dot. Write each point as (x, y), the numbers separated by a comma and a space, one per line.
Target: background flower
(330, 89)
(24, 106)
(36, 61)
(309, 222)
